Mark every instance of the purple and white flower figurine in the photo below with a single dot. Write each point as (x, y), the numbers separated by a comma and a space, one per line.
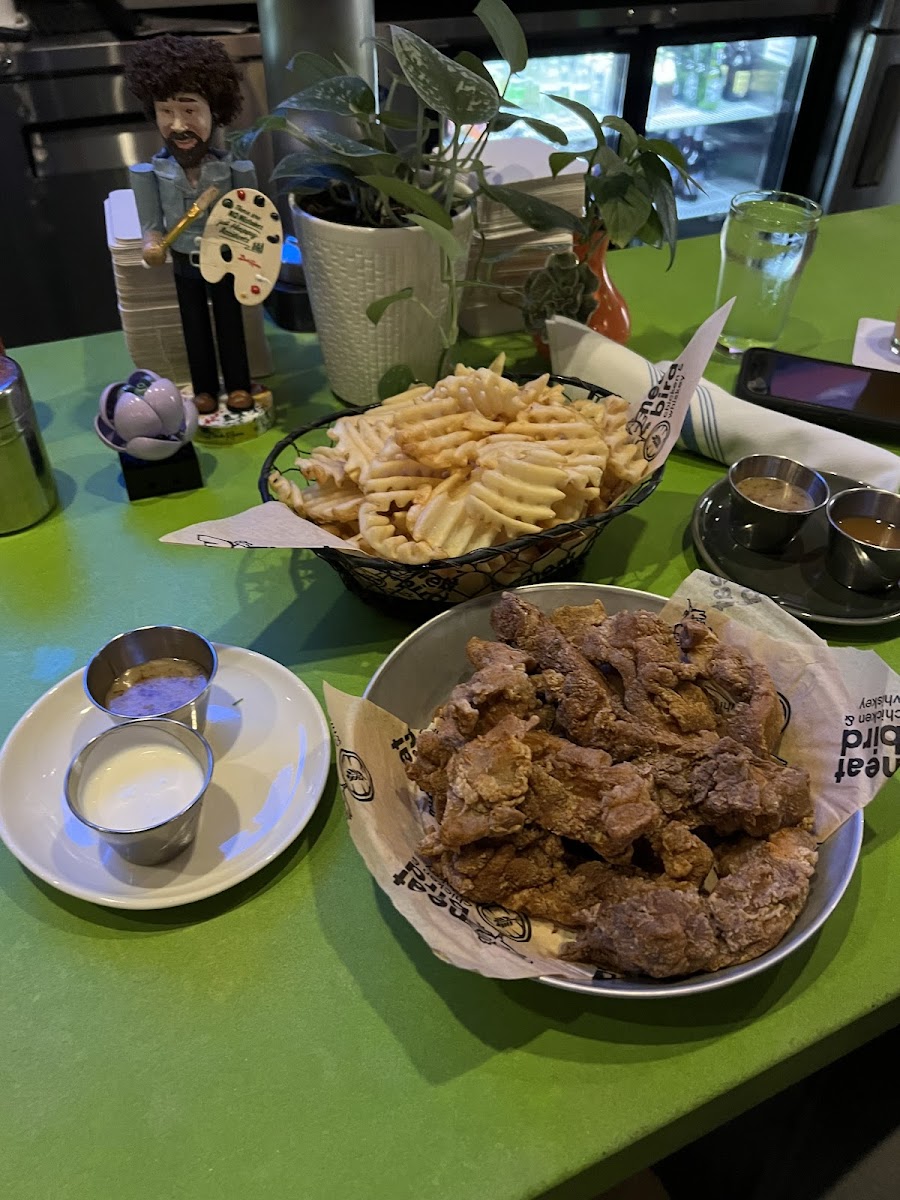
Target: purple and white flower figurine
(146, 417)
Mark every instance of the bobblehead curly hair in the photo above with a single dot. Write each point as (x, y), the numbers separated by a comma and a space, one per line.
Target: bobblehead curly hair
(164, 66)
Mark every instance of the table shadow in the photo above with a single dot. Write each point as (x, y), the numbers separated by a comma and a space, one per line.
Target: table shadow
(502, 1015)
(320, 619)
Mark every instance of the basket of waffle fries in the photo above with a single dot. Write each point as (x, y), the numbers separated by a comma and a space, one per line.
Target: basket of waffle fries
(479, 483)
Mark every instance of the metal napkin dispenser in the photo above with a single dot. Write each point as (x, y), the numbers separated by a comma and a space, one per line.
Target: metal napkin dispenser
(27, 487)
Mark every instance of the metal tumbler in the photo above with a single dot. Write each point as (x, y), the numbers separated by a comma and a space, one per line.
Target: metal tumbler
(27, 487)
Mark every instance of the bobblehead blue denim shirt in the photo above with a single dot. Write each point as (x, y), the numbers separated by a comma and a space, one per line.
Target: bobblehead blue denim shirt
(163, 194)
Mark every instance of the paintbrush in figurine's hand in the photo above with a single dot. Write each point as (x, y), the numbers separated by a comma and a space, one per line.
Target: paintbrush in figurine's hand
(155, 255)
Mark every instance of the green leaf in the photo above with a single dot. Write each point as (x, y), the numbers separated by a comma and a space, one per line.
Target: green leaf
(411, 197)
(506, 32)
(395, 380)
(312, 67)
(345, 95)
(307, 164)
(442, 84)
(560, 159)
(504, 121)
(378, 308)
(337, 143)
(625, 210)
(551, 132)
(627, 134)
(662, 194)
(651, 234)
(536, 213)
(669, 152)
(608, 160)
(444, 237)
(379, 43)
(397, 121)
(240, 141)
(581, 110)
(474, 64)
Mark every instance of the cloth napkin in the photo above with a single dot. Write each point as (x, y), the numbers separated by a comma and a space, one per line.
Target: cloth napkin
(719, 425)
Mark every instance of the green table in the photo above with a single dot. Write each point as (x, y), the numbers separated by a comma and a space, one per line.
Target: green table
(294, 1037)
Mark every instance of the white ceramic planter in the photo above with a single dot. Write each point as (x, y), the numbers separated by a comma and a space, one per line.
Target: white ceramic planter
(346, 269)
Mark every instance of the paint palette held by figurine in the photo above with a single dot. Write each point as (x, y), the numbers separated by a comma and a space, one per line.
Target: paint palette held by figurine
(243, 238)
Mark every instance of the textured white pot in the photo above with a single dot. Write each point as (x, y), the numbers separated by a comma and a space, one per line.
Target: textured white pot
(346, 269)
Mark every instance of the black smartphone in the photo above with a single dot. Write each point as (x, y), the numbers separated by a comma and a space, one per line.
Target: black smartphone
(856, 399)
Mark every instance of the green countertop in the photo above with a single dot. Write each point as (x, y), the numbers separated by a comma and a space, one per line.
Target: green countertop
(293, 1037)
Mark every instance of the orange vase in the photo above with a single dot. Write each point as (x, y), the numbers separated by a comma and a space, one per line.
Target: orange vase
(611, 316)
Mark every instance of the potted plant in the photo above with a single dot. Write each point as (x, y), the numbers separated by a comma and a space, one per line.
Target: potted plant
(384, 217)
(628, 196)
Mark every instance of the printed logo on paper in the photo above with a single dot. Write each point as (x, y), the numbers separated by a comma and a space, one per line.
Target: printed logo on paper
(355, 776)
(869, 739)
(513, 925)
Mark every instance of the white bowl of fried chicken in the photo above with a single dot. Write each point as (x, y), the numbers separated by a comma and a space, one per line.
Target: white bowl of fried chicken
(588, 765)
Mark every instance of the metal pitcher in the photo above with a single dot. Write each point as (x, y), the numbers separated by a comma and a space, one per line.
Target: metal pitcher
(27, 487)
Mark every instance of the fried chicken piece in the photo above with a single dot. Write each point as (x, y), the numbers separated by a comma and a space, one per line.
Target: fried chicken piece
(684, 856)
(532, 872)
(574, 620)
(483, 653)
(753, 713)
(663, 931)
(585, 707)
(670, 773)
(764, 889)
(486, 781)
(718, 783)
(658, 684)
(578, 793)
(733, 791)
(658, 931)
(500, 687)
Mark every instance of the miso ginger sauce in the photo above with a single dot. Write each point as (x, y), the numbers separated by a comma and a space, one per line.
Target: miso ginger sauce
(775, 493)
(870, 530)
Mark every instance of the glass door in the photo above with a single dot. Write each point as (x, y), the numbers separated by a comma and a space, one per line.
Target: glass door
(596, 80)
(730, 107)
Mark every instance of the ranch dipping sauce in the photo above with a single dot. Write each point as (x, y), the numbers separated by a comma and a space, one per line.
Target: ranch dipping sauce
(155, 687)
(775, 493)
(140, 786)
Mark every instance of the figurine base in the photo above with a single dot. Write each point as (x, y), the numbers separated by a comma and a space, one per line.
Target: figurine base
(224, 428)
(180, 473)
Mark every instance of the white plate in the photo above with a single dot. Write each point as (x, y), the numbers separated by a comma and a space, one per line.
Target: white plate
(272, 750)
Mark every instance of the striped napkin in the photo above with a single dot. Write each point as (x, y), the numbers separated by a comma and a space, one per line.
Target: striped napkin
(718, 425)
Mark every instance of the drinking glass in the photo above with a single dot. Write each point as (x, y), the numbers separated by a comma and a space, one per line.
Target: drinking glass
(766, 241)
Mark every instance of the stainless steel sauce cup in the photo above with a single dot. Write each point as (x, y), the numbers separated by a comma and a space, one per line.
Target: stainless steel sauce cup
(153, 842)
(763, 528)
(854, 563)
(144, 645)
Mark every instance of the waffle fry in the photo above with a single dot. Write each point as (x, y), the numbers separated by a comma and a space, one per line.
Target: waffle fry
(445, 442)
(471, 463)
(358, 439)
(325, 503)
(517, 493)
(286, 491)
(443, 521)
(381, 533)
(323, 464)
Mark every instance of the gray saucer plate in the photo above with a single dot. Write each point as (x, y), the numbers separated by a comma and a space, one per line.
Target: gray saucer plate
(796, 578)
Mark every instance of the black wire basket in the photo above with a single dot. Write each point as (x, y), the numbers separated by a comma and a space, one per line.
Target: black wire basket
(555, 553)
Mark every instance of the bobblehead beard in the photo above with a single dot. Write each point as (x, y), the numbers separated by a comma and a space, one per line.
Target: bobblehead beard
(187, 149)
